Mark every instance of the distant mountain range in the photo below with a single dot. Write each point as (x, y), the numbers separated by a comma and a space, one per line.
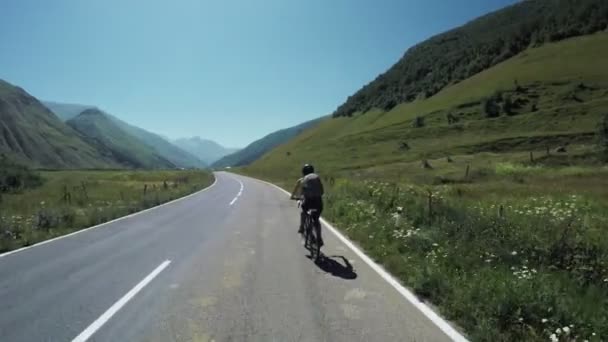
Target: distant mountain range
(62, 135)
(31, 134)
(206, 150)
(160, 145)
(259, 147)
(97, 128)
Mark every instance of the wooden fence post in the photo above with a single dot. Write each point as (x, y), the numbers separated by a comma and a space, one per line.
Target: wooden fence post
(430, 207)
(466, 173)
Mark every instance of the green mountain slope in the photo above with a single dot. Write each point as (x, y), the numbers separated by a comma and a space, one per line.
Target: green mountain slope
(176, 155)
(99, 129)
(206, 150)
(31, 134)
(259, 147)
(543, 97)
(458, 54)
(162, 146)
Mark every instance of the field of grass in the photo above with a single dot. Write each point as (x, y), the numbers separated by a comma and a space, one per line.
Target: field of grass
(72, 200)
(500, 222)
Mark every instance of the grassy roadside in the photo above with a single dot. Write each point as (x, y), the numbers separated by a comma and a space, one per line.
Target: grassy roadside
(517, 253)
(67, 201)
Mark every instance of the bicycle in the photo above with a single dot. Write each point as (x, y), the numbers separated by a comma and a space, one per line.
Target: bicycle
(309, 234)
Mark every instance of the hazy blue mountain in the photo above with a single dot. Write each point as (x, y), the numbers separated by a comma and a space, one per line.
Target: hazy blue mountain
(66, 111)
(206, 150)
(259, 147)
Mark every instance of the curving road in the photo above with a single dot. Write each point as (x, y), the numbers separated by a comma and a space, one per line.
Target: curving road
(224, 264)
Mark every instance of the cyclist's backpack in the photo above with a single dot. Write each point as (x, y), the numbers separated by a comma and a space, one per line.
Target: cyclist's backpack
(312, 186)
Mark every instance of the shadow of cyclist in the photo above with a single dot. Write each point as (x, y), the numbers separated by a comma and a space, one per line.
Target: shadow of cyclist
(330, 264)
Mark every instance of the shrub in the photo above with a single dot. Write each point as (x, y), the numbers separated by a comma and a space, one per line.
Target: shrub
(418, 122)
(490, 108)
(15, 177)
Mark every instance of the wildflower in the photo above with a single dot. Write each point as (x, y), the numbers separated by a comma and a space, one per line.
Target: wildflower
(553, 338)
(435, 244)
(544, 320)
(558, 331)
(566, 330)
(514, 253)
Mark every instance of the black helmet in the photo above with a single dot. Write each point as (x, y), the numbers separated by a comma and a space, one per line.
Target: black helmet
(307, 169)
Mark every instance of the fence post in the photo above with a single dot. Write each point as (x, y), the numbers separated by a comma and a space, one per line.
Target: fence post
(501, 211)
(466, 173)
(430, 207)
(145, 189)
(531, 157)
(84, 190)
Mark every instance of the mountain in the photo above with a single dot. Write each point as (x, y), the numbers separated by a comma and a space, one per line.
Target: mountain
(162, 146)
(178, 156)
(66, 111)
(206, 150)
(99, 129)
(458, 54)
(259, 147)
(33, 135)
(542, 98)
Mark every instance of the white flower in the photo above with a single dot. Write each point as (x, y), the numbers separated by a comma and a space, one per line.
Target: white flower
(514, 253)
(566, 330)
(558, 331)
(544, 320)
(553, 338)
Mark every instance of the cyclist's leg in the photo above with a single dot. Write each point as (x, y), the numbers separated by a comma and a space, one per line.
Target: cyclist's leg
(304, 208)
(317, 221)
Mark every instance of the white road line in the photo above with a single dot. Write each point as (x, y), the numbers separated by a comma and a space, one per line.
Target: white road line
(107, 223)
(91, 329)
(442, 324)
(238, 194)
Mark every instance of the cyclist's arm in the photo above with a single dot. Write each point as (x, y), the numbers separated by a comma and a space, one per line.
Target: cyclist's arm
(296, 189)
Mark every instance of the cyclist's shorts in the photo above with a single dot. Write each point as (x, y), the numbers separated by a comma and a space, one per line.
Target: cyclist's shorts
(313, 203)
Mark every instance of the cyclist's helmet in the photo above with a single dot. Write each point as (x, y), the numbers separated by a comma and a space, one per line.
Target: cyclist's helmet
(307, 169)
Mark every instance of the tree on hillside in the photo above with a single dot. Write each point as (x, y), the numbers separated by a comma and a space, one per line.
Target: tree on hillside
(507, 105)
(418, 122)
(490, 108)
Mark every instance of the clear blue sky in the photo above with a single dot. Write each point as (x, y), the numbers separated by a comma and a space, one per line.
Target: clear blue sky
(227, 70)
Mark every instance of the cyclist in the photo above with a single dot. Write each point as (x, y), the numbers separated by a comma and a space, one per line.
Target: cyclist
(310, 190)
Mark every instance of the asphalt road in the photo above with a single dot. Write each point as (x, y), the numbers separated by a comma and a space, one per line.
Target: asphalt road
(224, 264)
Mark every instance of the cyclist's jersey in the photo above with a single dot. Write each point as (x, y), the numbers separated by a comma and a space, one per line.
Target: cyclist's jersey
(311, 186)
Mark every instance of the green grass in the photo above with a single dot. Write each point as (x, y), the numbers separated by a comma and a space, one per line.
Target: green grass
(519, 208)
(72, 200)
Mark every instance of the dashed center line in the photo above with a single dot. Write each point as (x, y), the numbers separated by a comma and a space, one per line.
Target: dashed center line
(239, 194)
